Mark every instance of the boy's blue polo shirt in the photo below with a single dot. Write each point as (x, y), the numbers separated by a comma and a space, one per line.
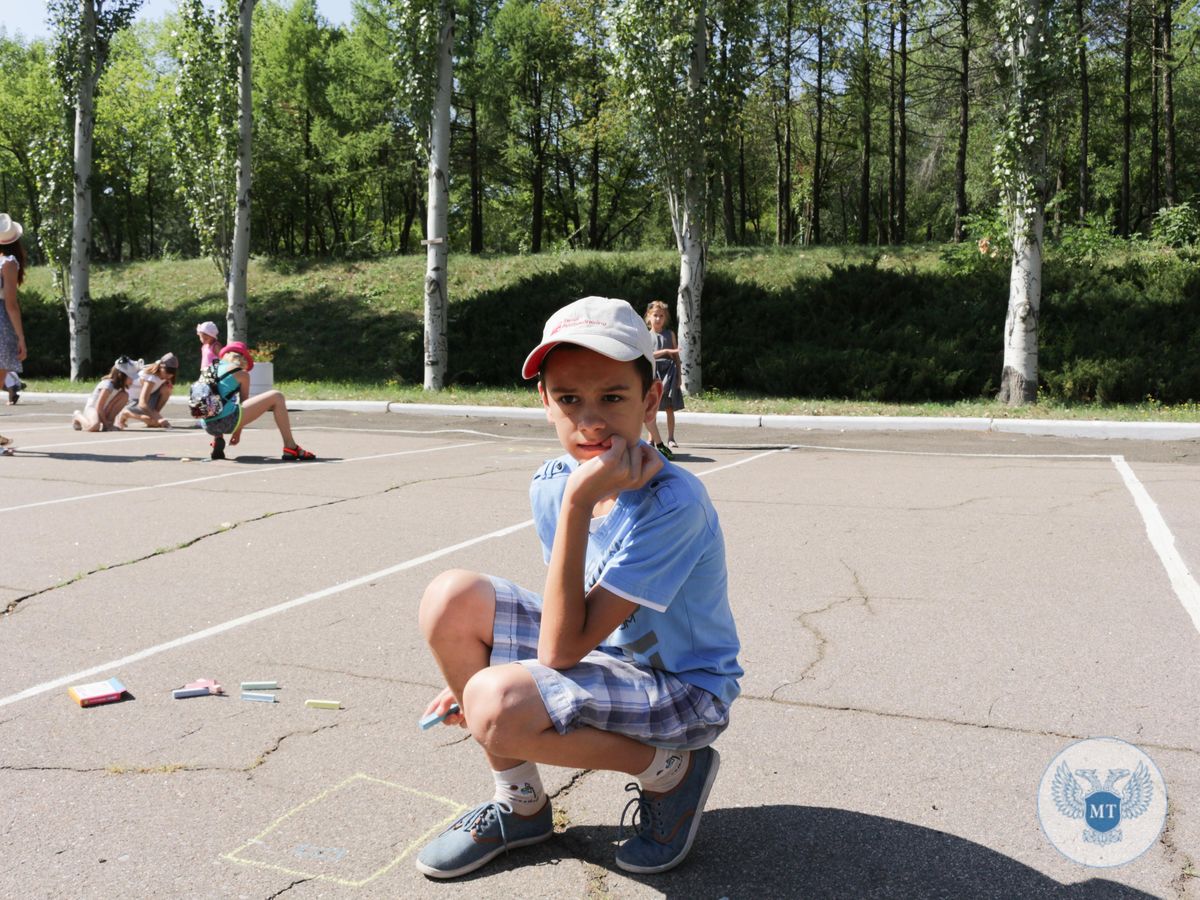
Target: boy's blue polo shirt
(660, 547)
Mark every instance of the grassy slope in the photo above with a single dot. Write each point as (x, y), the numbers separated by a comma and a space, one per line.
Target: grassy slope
(371, 310)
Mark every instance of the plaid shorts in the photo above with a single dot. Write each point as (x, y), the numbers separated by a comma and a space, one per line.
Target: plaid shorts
(607, 689)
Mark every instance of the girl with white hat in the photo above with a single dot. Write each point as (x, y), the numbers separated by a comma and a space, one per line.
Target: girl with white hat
(108, 398)
(12, 332)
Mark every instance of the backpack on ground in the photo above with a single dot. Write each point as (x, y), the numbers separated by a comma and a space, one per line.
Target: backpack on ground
(205, 400)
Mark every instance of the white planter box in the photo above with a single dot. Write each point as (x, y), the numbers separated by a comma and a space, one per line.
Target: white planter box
(262, 378)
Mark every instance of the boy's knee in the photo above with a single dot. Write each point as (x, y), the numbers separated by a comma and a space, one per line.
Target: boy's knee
(495, 699)
(457, 595)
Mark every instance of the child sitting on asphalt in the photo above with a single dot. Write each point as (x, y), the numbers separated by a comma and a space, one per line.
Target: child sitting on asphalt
(155, 384)
(628, 660)
(108, 398)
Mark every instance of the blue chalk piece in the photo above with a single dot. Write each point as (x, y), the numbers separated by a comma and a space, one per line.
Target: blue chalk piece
(433, 718)
(262, 698)
(183, 693)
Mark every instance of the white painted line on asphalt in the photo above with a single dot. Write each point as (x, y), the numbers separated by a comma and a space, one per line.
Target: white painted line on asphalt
(298, 601)
(254, 471)
(502, 437)
(260, 614)
(1163, 542)
(742, 462)
(948, 453)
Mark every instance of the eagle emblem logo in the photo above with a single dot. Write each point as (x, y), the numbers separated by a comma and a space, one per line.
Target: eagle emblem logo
(1102, 805)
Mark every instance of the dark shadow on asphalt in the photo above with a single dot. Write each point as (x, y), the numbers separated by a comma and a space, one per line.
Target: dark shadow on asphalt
(691, 458)
(98, 457)
(803, 851)
(271, 460)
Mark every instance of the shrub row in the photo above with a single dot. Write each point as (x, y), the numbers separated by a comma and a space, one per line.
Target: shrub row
(1112, 333)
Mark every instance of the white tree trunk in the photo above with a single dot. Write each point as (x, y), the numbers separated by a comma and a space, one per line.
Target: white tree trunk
(1019, 379)
(239, 256)
(687, 217)
(1025, 193)
(692, 259)
(80, 310)
(437, 250)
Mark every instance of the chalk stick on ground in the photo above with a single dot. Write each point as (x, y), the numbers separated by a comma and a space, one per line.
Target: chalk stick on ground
(323, 704)
(432, 719)
(262, 698)
(260, 685)
(184, 693)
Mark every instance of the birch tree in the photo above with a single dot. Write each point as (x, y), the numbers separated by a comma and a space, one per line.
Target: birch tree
(661, 55)
(203, 138)
(239, 255)
(423, 36)
(83, 32)
(1032, 61)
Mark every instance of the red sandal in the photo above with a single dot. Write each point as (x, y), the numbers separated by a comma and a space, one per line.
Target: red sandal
(297, 454)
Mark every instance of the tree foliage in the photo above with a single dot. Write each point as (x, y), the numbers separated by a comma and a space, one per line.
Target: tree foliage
(341, 112)
(202, 117)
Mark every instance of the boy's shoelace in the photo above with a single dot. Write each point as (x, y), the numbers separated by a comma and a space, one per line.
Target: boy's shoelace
(479, 818)
(644, 816)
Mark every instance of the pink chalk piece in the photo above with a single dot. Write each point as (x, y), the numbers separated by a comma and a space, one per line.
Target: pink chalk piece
(213, 686)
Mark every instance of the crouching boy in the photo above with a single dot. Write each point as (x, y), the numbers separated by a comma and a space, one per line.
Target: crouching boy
(628, 659)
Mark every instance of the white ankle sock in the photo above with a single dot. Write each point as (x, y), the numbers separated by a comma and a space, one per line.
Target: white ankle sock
(665, 771)
(521, 787)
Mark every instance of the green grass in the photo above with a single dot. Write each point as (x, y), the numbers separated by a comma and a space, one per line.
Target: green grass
(859, 322)
(717, 402)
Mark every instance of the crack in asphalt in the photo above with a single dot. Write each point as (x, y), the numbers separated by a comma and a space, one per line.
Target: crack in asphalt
(570, 785)
(288, 888)
(14, 604)
(938, 720)
(819, 636)
(596, 876)
(597, 881)
(262, 758)
(172, 768)
(1176, 857)
(50, 769)
(274, 664)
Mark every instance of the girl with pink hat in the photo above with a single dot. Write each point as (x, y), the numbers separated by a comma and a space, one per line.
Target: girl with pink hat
(239, 409)
(210, 343)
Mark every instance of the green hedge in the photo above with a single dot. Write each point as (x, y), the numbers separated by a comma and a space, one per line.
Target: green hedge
(1116, 333)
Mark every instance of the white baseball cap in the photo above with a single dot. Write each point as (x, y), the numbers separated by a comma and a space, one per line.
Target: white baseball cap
(209, 328)
(610, 327)
(130, 367)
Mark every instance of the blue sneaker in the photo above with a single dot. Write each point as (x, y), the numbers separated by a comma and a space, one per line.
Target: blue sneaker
(480, 835)
(666, 824)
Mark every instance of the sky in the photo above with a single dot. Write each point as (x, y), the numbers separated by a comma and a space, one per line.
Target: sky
(28, 17)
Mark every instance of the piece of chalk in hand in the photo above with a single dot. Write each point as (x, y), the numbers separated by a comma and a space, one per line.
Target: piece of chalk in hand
(433, 718)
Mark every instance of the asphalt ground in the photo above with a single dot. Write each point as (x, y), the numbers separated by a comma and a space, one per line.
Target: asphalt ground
(927, 620)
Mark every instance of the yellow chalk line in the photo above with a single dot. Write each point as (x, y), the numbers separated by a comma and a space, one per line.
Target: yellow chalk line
(232, 856)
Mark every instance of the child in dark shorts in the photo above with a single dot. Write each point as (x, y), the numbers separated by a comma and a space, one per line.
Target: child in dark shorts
(628, 659)
(157, 382)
